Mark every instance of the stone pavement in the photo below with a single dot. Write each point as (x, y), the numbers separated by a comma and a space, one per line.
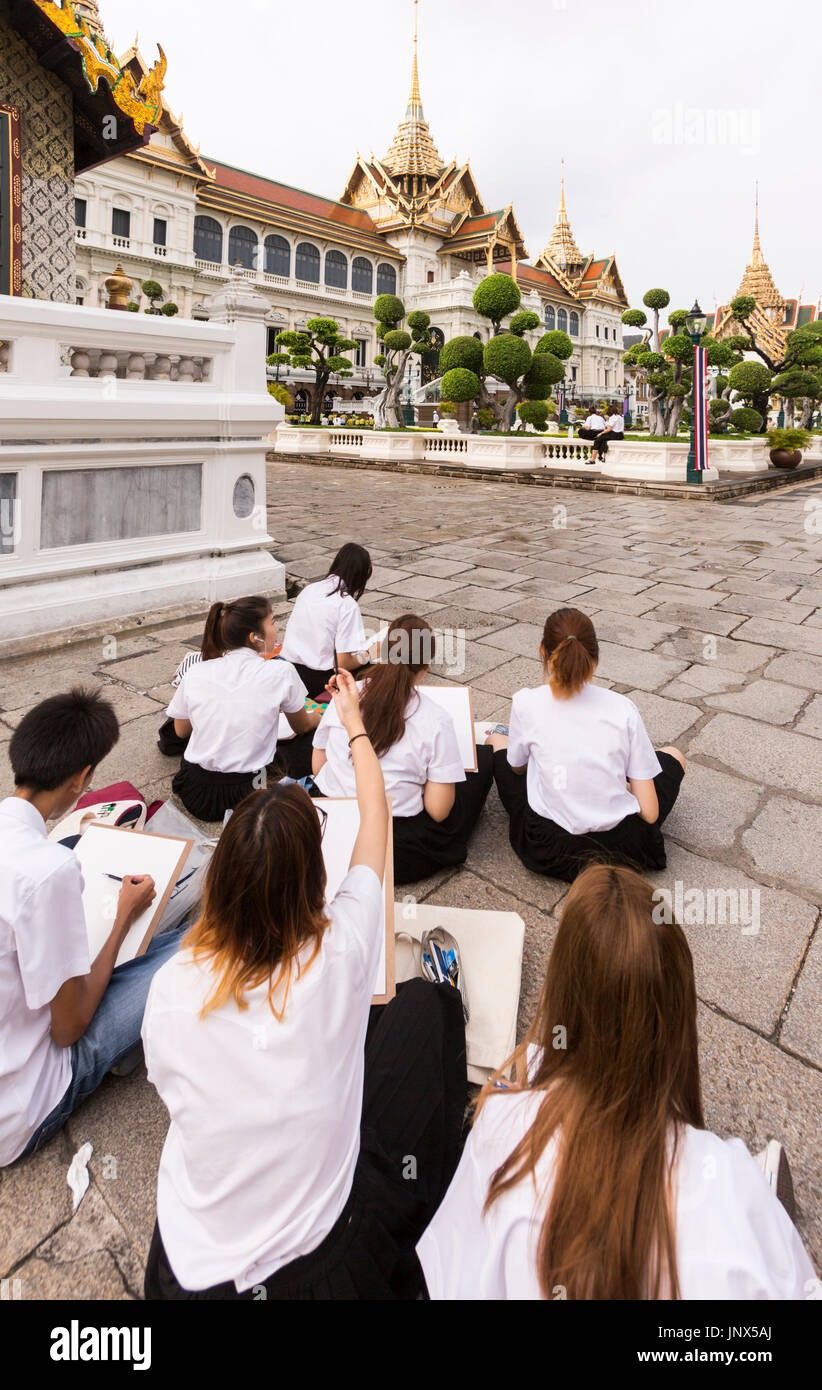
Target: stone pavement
(710, 619)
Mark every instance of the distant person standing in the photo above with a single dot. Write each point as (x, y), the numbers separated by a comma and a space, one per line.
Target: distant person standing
(436, 419)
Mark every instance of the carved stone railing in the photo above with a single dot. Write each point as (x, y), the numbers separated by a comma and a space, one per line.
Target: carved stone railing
(125, 365)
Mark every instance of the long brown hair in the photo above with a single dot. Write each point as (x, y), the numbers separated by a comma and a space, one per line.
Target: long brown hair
(571, 651)
(616, 1023)
(389, 687)
(228, 624)
(264, 898)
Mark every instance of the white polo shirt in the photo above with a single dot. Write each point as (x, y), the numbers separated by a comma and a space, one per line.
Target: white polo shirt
(322, 622)
(427, 752)
(265, 1114)
(616, 424)
(595, 422)
(580, 753)
(734, 1239)
(234, 706)
(43, 943)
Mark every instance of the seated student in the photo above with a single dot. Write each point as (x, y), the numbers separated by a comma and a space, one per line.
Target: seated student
(614, 429)
(230, 712)
(578, 774)
(326, 621)
(593, 1175)
(436, 804)
(64, 1022)
(286, 1161)
(168, 741)
(592, 429)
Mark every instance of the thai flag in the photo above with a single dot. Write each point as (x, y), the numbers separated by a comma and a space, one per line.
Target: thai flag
(700, 408)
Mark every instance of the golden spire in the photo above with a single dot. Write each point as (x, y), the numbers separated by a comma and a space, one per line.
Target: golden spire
(757, 280)
(562, 249)
(413, 150)
(87, 10)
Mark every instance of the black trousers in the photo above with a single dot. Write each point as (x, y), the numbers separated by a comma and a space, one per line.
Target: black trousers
(414, 1100)
(547, 848)
(208, 795)
(423, 845)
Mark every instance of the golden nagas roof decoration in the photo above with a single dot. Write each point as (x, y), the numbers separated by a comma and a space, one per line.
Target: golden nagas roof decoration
(413, 152)
(141, 102)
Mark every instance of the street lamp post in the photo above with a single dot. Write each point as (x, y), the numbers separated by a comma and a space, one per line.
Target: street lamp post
(695, 323)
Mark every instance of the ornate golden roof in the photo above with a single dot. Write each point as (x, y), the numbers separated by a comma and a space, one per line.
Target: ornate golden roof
(413, 151)
(562, 250)
(757, 280)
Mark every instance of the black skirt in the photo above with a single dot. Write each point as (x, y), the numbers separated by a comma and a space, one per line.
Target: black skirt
(423, 845)
(547, 848)
(314, 681)
(169, 741)
(414, 1102)
(208, 795)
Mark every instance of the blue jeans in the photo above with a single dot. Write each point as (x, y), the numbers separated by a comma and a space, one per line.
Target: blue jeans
(113, 1032)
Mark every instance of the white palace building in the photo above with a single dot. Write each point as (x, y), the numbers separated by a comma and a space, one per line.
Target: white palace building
(410, 223)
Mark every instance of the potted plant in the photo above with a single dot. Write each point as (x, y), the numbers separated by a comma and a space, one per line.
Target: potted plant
(786, 447)
(448, 421)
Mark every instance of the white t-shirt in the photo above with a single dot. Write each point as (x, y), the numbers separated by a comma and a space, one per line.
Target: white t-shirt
(734, 1239)
(265, 1115)
(427, 752)
(234, 706)
(616, 424)
(43, 943)
(595, 422)
(580, 753)
(322, 622)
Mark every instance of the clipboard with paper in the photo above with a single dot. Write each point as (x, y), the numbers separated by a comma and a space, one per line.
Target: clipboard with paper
(106, 855)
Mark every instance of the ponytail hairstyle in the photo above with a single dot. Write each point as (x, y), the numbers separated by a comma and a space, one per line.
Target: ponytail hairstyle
(614, 1098)
(390, 686)
(228, 625)
(570, 651)
(352, 569)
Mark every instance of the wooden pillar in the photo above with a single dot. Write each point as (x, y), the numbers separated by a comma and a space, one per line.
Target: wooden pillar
(490, 259)
(513, 262)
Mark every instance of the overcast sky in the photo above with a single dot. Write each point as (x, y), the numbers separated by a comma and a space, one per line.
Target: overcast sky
(666, 114)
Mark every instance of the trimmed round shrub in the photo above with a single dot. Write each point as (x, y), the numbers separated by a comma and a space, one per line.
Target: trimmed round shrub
(656, 299)
(152, 289)
(496, 297)
(650, 361)
(742, 306)
(389, 309)
(396, 340)
(418, 322)
(676, 319)
(555, 342)
(170, 310)
(679, 347)
(461, 352)
(460, 384)
(634, 318)
(379, 360)
(534, 413)
(544, 372)
(718, 408)
(749, 377)
(507, 357)
(523, 322)
(133, 307)
(746, 420)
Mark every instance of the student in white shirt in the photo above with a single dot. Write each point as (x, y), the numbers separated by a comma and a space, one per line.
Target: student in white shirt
(592, 429)
(285, 1170)
(326, 624)
(614, 429)
(592, 1175)
(578, 774)
(168, 741)
(229, 711)
(436, 804)
(64, 1022)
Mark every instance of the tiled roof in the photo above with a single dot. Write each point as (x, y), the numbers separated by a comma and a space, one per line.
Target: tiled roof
(295, 199)
(476, 229)
(534, 276)
(593, 271)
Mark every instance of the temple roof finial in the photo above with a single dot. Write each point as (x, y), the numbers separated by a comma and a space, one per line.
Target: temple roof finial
(413, 150)
(562, 248)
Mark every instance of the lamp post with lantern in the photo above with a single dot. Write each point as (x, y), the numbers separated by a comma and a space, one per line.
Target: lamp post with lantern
(695, 323)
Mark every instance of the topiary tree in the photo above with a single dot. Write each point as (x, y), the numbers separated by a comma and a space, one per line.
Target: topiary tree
(753, 382)
(527, 375)
(460, 384)
(524, 322)
(534, 413)
(746, 420)
(316, 348)
(154, 292)
(647, 358)
(389, 311)
(557, 343)
(466, 351)
(496, 297)
(170, 309)
(720, 410)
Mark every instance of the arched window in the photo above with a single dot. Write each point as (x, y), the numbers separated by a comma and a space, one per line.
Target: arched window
(562, 321)
(550, 318)
(301, 401)
(573, 326)
(208, 240)
(308, 263)
(362, 276)
(336, 270)
(277, 256)
(386, 279)
(243, 247)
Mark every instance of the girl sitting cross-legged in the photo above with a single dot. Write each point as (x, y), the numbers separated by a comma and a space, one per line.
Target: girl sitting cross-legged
(325, 630)
(593, 1176)
(578, 774)
(229, 710)
(311, 1137)
(436, 804)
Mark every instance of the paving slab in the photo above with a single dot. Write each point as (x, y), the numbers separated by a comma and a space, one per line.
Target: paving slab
(491, 858)
(802, 1029)
(699, 619)
(778, 612)
(487, 600)
(522, 639)
(516, 673)
(90, 1257)
(35, 1201)
(683, 594)
(785, 841)
(665, 720)
(413, 586)
(711, 809)
(626, 631)
(746, 973)
(789, 636)
(778, 757)
(796, 670)
(715, 650)
(646, 670)
(770, 701)
(811, 721)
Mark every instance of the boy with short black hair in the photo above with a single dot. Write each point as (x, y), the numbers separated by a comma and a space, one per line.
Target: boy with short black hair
(64, 1022)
